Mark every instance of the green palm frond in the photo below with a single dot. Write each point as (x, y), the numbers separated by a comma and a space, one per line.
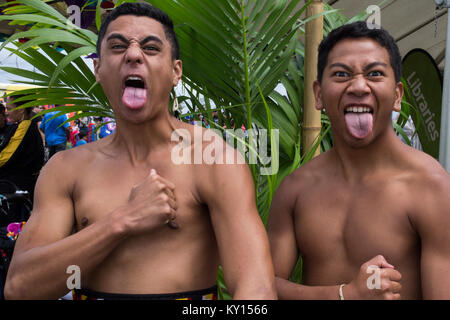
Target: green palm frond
(235, 53)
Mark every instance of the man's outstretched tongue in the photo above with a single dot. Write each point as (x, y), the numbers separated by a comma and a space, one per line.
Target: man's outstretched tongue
(359, 124)
(134, 98)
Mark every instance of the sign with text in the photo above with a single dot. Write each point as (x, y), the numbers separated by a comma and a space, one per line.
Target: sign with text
(425, 93)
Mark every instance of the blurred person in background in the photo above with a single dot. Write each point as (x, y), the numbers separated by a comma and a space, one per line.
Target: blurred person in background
(22, 149)
(56, 133)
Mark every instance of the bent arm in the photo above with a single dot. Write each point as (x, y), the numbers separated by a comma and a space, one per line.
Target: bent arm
(433, 225)
(46, 248)
(241, 237)
(283, 245)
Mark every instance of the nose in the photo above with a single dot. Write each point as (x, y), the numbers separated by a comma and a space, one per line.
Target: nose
(358, 85)
(134, 54)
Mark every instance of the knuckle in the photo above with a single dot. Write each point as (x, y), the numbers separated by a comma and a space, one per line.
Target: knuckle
(388, 296)
(167, 209)
(385, 286)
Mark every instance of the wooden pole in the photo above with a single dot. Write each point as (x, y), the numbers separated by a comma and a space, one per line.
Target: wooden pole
(311, 116)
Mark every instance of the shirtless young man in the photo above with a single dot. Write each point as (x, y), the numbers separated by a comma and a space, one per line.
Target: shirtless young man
(134, 222)
(369, 201)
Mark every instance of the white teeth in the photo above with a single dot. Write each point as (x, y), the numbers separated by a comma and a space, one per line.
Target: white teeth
(357, 109)
(134, 78)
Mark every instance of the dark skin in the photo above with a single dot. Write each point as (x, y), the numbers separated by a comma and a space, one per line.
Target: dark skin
(142, 223)
(368, 201)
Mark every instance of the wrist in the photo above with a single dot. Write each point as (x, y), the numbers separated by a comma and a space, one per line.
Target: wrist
(348, 292)
(117, 224)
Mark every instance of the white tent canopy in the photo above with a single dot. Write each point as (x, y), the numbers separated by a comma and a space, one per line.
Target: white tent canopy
(412, 23)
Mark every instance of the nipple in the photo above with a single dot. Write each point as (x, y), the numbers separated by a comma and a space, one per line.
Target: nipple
(84, 222)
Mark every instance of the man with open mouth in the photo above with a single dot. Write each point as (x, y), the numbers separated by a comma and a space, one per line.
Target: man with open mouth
(131, 221)
(370, 217)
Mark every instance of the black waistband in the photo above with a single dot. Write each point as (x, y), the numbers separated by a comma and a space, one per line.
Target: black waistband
(87, 294)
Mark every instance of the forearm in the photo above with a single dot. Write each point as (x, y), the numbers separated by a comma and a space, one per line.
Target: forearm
(41, 272)
(288, 290)
(255, 290)
(255, 283)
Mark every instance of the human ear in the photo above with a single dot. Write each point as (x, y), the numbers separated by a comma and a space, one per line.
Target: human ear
(96, 67)
(318, 95)
(177, 71)
(399, 90)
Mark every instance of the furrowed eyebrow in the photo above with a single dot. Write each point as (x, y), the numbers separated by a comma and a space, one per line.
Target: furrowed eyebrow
(368, 67)
(143, 41)
(338, 64)
(150, 38)
(117, 36)
(374, 64)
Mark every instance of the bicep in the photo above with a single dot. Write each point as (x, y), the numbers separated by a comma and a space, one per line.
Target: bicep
(281, 232)
(52, 217)
(240, 233)
(435, 246)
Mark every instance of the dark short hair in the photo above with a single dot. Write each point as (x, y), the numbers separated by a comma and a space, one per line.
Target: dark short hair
(141, 10)
(358, 30)
(13, 99)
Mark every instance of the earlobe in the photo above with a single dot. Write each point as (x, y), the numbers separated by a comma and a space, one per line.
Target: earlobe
(399, 95)
(318, 95)
(177, 71)
(96, 67)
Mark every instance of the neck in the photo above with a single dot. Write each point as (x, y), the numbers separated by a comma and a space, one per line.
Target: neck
(139, 140)
(383, 153)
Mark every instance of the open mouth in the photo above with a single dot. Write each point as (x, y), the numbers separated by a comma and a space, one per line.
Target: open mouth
(359, 120)
(358, 109)
(134, 82)
(135, 92)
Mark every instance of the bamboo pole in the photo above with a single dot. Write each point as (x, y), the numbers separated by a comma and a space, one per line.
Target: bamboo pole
(311, 116)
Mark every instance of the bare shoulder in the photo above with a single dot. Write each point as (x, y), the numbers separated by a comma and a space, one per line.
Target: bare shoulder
(428, 184)
(299, 184)
(65, 166)
(425, 171)
(218, 165)
(310, 175)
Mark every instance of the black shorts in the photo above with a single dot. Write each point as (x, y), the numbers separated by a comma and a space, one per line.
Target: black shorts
(204, 294)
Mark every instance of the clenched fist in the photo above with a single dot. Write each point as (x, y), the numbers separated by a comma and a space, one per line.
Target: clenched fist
(151, 204)
(377, 279)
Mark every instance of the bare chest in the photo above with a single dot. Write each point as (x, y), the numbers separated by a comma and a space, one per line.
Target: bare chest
(103, 189)
(354, 225)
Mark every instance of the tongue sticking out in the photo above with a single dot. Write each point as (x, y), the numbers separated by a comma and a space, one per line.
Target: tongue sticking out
(359, 124)
(134, 98)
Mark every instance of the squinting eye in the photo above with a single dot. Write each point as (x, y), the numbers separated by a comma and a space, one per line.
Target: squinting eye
(151, 48)
(340, 74)
(117, 46)
(375, 74)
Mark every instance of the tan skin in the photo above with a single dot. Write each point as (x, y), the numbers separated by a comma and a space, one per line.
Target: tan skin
(372, 201)
(143, 225)
(17, 115)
